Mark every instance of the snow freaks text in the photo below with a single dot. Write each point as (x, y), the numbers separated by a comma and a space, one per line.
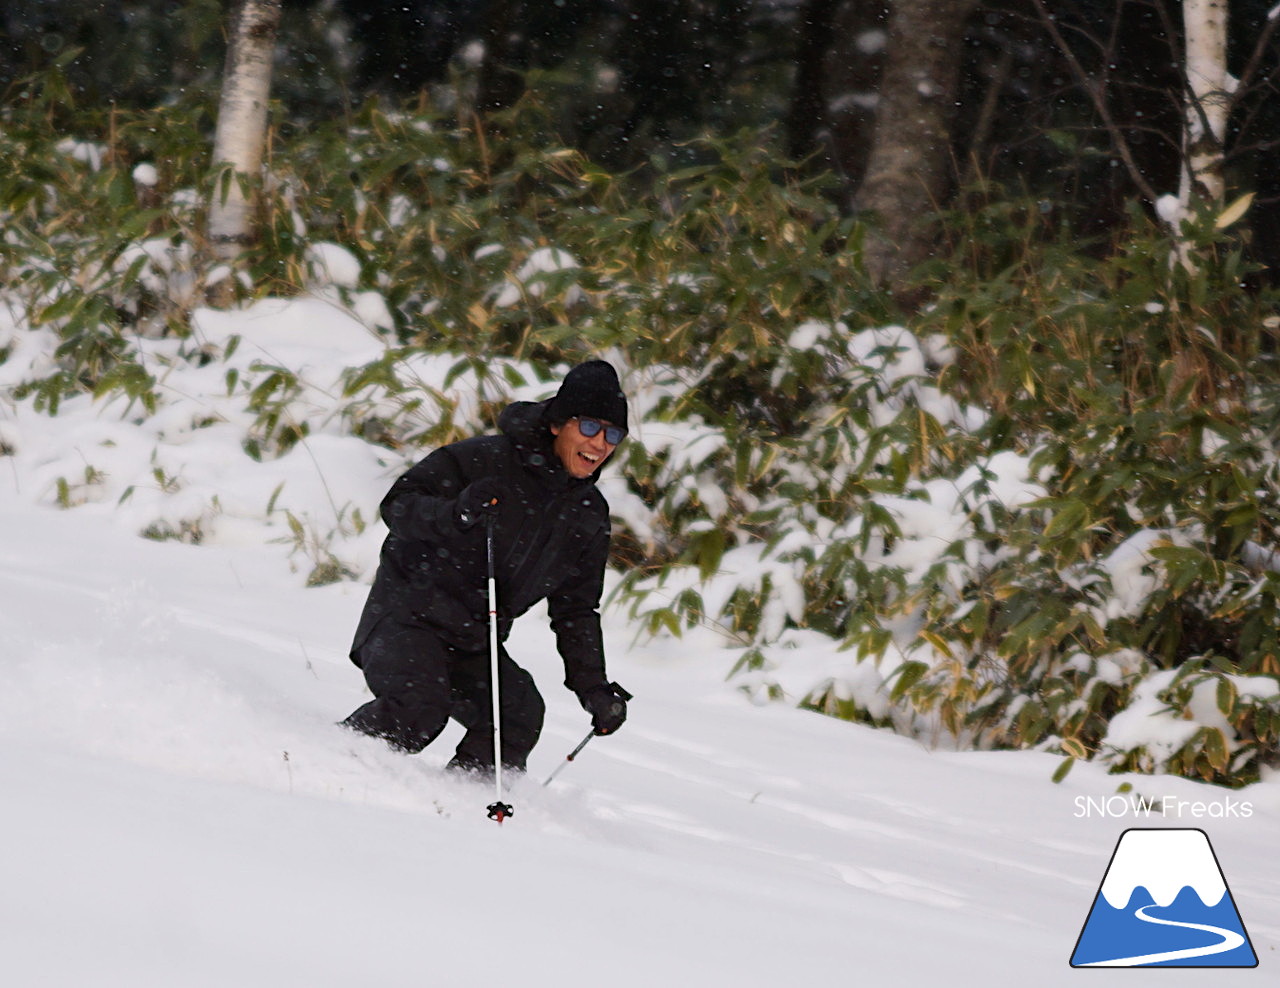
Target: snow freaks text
(1135, 806)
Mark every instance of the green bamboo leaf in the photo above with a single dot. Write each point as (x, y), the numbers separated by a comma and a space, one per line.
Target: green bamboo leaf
(1215, 748)
(1226, 696)
(710, 551)
(908, 674)
(1069, 519)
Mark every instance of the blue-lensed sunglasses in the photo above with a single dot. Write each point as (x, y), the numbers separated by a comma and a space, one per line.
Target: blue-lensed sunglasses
(613, 434)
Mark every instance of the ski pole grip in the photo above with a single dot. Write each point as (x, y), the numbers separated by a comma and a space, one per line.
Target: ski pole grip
(619, 692)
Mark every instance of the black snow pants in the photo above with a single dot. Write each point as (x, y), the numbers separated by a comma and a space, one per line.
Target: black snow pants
(418, 682)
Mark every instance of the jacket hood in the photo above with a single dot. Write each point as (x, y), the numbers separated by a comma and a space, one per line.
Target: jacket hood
(526, 424)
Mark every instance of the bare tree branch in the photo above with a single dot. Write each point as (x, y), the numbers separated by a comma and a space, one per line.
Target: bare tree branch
(1096, 94)
(1258, 53)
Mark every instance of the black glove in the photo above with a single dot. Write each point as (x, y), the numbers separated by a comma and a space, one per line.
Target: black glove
(607, 706)
(478, 499)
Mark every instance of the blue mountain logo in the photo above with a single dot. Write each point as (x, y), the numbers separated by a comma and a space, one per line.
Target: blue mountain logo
(1164, 902)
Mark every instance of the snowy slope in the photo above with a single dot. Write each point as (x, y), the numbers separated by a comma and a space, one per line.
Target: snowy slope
(181, 811)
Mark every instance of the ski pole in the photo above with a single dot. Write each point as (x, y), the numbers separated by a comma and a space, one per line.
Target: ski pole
(619, 692)
(570, 757)
(498, 810)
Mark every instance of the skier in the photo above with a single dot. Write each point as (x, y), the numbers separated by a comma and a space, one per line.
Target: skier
(423, 637)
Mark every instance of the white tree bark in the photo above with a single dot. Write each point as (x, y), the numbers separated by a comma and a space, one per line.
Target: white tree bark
(241, 132)
(1210, 93)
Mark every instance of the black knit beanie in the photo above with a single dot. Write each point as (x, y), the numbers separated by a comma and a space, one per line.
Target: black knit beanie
(590, 389)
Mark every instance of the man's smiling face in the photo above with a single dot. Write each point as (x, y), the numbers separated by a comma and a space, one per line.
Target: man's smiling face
(581, 455)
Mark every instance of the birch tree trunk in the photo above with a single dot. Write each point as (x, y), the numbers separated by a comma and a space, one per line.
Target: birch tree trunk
(1210, 92)
(910, 168)
(242, 125)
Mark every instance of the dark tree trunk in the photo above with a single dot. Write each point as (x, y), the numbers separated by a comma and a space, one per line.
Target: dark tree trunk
(911, 169)
(839, 63)
(807, 117)
(506, 56)
(405, 45)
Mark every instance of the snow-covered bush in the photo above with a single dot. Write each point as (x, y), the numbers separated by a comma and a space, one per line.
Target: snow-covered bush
(1040, 512)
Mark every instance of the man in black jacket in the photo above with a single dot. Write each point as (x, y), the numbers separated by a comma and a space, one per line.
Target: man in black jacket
(423, 638)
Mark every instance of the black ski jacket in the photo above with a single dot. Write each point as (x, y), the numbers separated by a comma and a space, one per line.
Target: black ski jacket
(551, 541)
